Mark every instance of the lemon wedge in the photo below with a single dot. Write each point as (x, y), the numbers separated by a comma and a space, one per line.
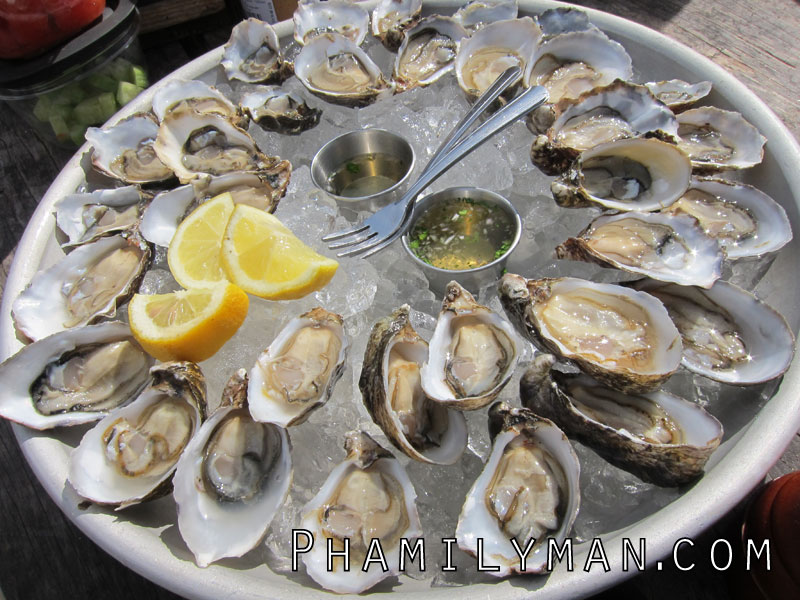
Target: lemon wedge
(189, 324)
(193, 254)
(264, 258)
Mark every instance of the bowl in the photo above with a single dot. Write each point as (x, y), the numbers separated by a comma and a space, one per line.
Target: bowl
(471, 278)
(363, 169)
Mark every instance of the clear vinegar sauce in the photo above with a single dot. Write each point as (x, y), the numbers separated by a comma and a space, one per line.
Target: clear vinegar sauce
(462, 233)
(366, 174)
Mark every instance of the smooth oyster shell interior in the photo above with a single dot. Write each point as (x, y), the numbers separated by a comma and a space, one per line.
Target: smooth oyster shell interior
(660, 437)
(719, 140)
(296, 374)
(478, 13)
(391, 387)
(74, 376)
(678, 94)
(231, 480)
(367, 497)
(528, 490)
(621, 337)
(316, 17)
(253, 54)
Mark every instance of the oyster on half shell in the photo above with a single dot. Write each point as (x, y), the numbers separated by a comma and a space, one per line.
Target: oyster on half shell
(130, 455)
(253, 54)
(367, 497)
(316, 17)
(527, 491)
(619, 336)
(232, 479)
(428, 51)
(659, 437)
(472, 354)
(392, 18)
(391, 388)
(85, 217)
(74, 376)
(719, 140)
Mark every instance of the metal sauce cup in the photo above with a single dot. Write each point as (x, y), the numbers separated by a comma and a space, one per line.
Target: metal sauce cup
(472, 279)
(340, 151)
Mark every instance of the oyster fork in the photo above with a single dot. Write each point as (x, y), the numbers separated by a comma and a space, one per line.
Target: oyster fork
(382, 228)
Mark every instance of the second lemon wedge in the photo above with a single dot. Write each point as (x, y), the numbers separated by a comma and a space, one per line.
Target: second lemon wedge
(264, 258)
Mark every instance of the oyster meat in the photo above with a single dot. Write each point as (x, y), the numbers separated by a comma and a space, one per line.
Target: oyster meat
(428, 51)
(84, 287)
(315, 17)
(391, 388)
(659, 437)
(528, 491)
(664, 247)
(472, 354)
(619, 336)
(85, 217)
(679, 95)
(367, 497)
(74, 376)
(232, 479)
(719, 140)
(130, 455)
(179, 94)
(296, 374)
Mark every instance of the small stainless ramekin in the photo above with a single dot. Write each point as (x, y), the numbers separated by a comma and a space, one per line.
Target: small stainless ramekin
(356, 143)
(472, 279)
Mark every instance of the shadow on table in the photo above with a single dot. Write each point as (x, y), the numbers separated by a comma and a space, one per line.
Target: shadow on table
(646, 12)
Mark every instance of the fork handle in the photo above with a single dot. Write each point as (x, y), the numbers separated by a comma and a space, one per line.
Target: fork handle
(520, 106)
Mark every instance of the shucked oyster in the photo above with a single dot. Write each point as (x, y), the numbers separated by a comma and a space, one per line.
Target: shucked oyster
(195, 145)
(253, 54)
(619, 336)
(130, 455)
(472, 354)
(628, 174)
(664, 247)
(296, 374)
(661, 438)
(315, 17)
(274, 109)
(677, 94)
(527, 492)
(391, 388)
(479, 13)
(427, 52)
(125, 150)
(231, 480)
(194, 95)
(367, 500)
(74, 376)
(392, 18)
(85, 217)
(337, 70)
(84, 287)
(728, 334)
(719, 140)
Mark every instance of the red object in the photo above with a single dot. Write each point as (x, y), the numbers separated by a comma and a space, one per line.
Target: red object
(29, 27)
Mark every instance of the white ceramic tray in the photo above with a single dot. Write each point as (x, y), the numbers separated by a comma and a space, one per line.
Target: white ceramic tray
(146, 543)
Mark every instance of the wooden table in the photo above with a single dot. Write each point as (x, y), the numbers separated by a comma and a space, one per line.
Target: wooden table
(43, 556)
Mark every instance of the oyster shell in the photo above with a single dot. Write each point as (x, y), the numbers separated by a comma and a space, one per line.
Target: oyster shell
(84, 287)
(719, 140)
(629, 174)
(572, 63)
(74, 376)
(232, 479)
(555, 21)
(619, 336)
(744, 220)
(428, 51)
(130, 455)
(664, 247)
(367, 497)
(528, 491)
(337, 70)
(391, 388)
(479, 13)
(253, 54)
(274, 109)
(262, 190)
(195, 145)
(483, 56)
(728, 334)
(472, 354)
(605, 114)
(85, 217)
(315, 17)
(659, 437)
(679, 95)
(392, 18)
(296, 374)
(179, 94)
(125, 151)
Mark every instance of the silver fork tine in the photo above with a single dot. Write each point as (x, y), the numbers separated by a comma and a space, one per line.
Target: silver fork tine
(484, 101)
(350, 242)
(362, 247)
(386, 241)
(337, 235)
